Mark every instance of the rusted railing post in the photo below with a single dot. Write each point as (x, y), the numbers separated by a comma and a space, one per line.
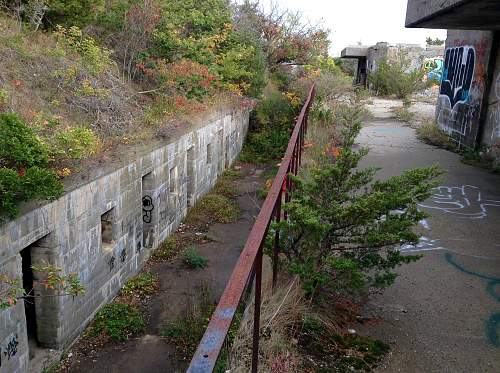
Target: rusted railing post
(276, 248)
(256, 314)
(249, 265)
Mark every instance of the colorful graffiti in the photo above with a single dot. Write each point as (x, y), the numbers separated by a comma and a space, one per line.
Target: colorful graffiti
(458, 74)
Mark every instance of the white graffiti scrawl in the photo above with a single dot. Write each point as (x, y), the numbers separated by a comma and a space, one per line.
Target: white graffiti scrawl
(465, 201)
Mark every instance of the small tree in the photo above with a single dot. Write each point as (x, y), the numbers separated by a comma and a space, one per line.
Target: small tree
(396, 77)
(344, 228)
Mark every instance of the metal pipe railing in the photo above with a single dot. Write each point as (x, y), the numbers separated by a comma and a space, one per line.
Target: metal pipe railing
(249, 265)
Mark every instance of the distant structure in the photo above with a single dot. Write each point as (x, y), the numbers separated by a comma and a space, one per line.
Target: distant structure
(468, 107)
(369, 57)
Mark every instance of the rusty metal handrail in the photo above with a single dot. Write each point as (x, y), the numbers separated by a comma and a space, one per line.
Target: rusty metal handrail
(250, 260)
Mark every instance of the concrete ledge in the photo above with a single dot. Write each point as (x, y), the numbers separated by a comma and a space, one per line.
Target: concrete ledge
(453, 14)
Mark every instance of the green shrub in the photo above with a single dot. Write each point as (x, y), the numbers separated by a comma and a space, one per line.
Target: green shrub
(344, 227)
(141, 286)
(396, 78)
(74, 143)
(72, 12)
(23, 161)
(19, 146)
(193, 259)
(119, 321)
(272, 122)
(95, 58)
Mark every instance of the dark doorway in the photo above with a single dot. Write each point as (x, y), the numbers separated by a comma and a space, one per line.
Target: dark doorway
(29, 301)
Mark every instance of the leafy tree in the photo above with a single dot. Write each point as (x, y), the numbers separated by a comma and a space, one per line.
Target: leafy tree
(436, 41)
(283, 34)
(344, 228)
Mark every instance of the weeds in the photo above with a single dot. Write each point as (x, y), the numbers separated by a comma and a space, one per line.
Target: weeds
(430, 133)
(333, 350)
(118, 321)
(186, 331)
(213, 208)
(404, 115)
(166, 250)
(141, 286)
(193, 259)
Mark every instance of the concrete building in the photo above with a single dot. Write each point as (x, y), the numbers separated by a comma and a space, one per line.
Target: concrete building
(468, 107)
(369, 57)
(105, 227)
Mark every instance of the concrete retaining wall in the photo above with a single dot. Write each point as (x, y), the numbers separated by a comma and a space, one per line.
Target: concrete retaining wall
(105, 230)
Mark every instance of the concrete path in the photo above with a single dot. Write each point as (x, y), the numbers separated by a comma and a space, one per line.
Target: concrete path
(443, 314)
(179, 288)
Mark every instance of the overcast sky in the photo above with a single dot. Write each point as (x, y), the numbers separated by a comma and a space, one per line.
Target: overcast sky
(365, 21)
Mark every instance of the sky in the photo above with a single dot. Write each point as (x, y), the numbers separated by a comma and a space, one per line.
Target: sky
(365, 21)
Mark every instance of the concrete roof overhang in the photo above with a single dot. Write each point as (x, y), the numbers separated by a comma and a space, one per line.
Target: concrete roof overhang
(354, 52)
(454, 14)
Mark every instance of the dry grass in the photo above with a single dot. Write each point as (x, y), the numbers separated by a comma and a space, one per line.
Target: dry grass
(30, 68)
(281, 312)
(403, 114)
(430, 133)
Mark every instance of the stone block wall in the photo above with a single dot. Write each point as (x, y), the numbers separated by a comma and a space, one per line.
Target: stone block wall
(106, 229)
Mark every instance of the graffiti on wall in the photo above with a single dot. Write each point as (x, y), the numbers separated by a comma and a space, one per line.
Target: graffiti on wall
(10, 350)
(458, 101)
(147, 208)
(458, 74)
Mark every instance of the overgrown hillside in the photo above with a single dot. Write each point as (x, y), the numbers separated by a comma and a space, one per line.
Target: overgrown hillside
(79, 77)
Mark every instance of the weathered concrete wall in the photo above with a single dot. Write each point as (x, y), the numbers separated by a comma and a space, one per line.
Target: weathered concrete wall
(463, 85)
(139, 204)
(491, 130)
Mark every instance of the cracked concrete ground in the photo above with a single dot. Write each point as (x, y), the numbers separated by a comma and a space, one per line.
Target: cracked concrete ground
(443, 313)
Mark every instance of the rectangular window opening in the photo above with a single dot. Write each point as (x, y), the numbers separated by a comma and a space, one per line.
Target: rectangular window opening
(173, 180)
(209, 153)
(108, 228)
